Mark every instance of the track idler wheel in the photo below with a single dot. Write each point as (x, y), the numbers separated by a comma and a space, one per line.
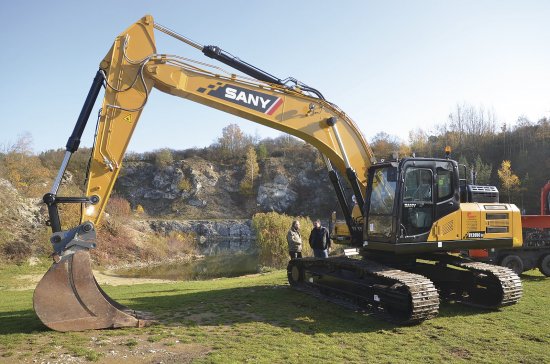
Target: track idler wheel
(68, 298)
(295, 272)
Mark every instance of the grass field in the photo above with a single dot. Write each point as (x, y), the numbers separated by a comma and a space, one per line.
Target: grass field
(260, 319)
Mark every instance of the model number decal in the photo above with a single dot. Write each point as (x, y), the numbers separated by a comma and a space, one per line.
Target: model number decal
(475, 235)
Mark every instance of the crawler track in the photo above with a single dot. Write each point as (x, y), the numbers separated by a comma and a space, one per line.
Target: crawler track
(365, 285)
(502, 279)
(473, 283)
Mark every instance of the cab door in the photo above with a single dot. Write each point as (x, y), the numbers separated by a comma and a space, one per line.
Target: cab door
(417, 202)
(447, 196)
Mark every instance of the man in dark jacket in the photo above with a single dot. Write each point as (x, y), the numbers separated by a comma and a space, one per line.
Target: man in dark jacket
(319, 240)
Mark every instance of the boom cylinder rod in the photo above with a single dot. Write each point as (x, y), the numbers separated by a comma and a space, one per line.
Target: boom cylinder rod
(224, 57)
(71, 147)
(332, 123)
(74, 139)
(219, 54)
(60, 173)
(178, 36)
(355, 186)
(339, 190)
(351, 174)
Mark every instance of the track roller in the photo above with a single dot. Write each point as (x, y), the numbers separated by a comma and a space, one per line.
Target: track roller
(365, 285)
(473, 283)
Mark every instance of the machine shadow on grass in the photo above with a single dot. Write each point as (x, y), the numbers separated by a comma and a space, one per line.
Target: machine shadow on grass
(274, 305)
(531, 278)
(20, 322)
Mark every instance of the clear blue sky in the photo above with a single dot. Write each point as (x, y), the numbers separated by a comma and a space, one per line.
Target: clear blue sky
(391, 65)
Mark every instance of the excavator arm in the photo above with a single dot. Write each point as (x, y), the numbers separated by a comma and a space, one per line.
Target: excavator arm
(132, 69)
(129, 72)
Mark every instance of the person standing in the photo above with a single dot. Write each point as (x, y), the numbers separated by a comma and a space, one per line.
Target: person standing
(294, 240)
(319, 240)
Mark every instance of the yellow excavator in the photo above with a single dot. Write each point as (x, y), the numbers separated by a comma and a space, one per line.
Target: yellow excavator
(414, 212)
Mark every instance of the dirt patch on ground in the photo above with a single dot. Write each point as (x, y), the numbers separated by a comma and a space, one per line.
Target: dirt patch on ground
(461, 353)
(113, 350)
(201, 317)
(106, 278)
(29, 281)
(156, 353)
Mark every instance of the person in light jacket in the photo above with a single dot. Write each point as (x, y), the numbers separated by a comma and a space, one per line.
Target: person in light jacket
(294, 240)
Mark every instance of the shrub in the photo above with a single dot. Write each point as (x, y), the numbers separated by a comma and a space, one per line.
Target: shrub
(118, 243)
(17, 250)
(262, 152)
(78, 165)
(246, 187)
(70, 212)
(40, 241)
(185, 185)
(114, 245)
(25, 172)
(271, 230)
(118, 207)
(163, 158)
(177, 242)
(140, 210)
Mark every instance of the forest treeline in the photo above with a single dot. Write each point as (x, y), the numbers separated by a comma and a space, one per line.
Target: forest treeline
(478, 141)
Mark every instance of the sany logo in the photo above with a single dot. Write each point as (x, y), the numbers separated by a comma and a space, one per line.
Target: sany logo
(254, 100)
(250, 99)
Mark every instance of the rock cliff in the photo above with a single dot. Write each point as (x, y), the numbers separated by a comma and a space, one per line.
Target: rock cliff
(196, 188)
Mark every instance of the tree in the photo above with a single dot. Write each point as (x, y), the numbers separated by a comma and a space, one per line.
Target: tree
(470, 123)
(418, 142)
(262, 151)
(509, 181)
(163, 158)
(24, 169)
(233, 141)
(385, 145)
(483, 171)
(251, 171)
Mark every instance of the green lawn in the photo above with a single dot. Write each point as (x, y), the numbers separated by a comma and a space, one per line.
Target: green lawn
(260, 319)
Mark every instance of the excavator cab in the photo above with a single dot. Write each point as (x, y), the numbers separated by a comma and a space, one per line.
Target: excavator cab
(414, 206)
(406, 197)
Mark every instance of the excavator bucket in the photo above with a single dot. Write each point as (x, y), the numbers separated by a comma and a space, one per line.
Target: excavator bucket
(68, 298)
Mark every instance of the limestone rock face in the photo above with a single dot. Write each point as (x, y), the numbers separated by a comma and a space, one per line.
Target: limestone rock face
(214, 237)
(197, 188)
(277, 195)
(205, 228)
(25, 211)
(21, 222)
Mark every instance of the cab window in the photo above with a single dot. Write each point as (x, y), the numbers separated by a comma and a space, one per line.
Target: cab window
(418, 185)
(417, 210)
(444, 183)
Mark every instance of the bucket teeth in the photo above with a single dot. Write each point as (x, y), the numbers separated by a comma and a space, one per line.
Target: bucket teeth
(68, 298)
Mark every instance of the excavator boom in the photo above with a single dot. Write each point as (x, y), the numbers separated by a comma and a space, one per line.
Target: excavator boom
(132, 72)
